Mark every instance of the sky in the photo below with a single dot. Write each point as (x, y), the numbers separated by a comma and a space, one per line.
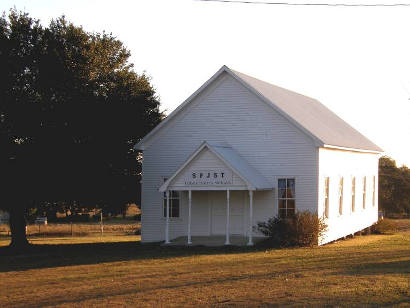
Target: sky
(354, 60)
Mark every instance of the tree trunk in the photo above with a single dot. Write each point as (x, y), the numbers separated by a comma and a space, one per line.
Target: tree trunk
(18, 228)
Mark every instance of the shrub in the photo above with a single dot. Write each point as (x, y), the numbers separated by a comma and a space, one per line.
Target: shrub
(385, 226)
(303, 229)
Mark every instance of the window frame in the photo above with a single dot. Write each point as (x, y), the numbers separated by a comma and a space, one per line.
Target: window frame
(340, 192)
(374, 191)
(288, 210)
(326, 196)
(353, 207)
(174, 203)
(364, 192)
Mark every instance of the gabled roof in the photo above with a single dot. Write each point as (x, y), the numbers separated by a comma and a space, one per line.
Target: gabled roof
(253, 179)
(314, 119)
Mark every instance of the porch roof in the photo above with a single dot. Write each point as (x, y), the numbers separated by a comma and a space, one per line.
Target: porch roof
(253, 179)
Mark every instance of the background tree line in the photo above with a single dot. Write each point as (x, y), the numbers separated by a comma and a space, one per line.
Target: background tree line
(394, 188)
(71, 109)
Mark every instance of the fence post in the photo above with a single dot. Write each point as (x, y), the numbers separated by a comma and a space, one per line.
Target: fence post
(101, 223)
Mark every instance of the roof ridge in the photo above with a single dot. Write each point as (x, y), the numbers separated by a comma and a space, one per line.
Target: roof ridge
(274, 85)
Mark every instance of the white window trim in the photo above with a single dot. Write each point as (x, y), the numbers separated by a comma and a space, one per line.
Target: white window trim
(364, 192)
(179, 218)
(353, 200)
(324, 197)
(340, 194)
(287, 177)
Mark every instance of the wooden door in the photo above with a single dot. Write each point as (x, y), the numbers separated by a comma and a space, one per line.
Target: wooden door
(217, 201)
(218, 212)
(236, 212)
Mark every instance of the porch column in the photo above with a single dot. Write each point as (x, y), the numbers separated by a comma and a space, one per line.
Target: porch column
(167, 220)
(250, 242)
(189, 216)
(227, 218)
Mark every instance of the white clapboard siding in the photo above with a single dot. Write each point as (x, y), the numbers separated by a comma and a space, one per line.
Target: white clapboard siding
(226, 112)
(335, 164)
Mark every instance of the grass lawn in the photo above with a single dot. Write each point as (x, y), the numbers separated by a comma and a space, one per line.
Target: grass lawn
(371, 270)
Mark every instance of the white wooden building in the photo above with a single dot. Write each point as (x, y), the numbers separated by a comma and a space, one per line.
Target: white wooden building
(240, 150)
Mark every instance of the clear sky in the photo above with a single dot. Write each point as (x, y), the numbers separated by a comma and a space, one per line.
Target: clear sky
(355, 60)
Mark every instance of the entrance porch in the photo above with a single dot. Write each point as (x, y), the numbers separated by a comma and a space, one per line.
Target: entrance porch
(216, 213)
(213, 240)
(229, 183)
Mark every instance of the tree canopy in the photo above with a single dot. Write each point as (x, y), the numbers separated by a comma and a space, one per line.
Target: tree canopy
(394, 187)
(71, 109)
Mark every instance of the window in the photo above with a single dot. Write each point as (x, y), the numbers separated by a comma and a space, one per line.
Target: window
(341, 196)
(364, 192)
(286, 197)
(353, 194)
(326, 205)
(374, 191)
(173, 203)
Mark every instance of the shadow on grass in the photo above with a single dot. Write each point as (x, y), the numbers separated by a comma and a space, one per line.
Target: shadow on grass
(56, 255)
(380, 268)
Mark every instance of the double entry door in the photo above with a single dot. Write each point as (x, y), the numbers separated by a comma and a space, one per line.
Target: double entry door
(217, 203)
(209, 212)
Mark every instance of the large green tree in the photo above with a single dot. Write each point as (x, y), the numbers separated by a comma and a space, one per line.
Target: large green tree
(394, 187)
(71, 109)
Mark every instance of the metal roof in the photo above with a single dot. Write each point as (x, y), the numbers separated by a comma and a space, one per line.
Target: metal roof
(316, 118)
(239, 165)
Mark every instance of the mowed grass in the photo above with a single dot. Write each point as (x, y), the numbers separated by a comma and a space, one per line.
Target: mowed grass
(372, 270)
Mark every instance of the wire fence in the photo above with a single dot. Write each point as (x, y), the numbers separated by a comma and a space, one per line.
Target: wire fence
(78, 229)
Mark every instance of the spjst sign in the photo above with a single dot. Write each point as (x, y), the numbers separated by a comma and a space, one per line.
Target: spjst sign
(209, 177)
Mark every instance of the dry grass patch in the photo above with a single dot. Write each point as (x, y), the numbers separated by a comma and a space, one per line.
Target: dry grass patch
(364, 271)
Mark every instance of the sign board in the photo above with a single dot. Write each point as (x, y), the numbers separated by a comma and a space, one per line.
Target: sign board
(209, 177)
(41, 221)
(4, 218)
